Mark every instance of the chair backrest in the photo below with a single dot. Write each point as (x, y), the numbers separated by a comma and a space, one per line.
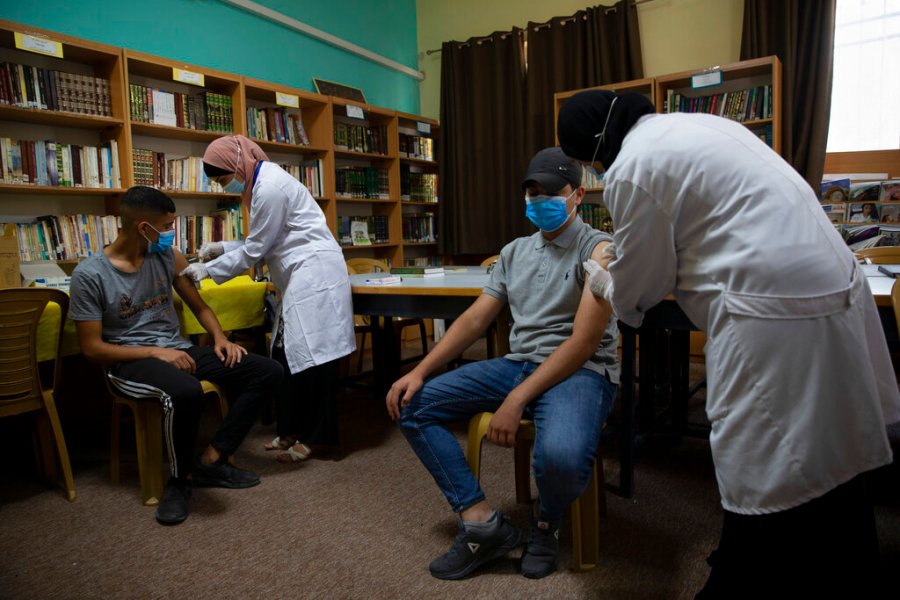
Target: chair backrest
(490, 260)
(367, 265)
(20, 312)
(882, 255)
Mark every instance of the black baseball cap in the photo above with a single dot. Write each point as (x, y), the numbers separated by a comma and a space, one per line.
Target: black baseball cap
(553, 170)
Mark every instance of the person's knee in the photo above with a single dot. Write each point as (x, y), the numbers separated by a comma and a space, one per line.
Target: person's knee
(271, 371)
(185, 389)
(566, 468)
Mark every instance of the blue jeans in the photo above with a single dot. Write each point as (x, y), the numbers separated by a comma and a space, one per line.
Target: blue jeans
(568, 419)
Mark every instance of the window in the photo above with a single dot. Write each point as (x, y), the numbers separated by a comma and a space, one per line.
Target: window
(865, 96)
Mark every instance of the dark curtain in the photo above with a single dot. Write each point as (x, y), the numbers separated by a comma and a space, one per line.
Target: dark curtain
(595, 46)
(801, 34)
(482, 154)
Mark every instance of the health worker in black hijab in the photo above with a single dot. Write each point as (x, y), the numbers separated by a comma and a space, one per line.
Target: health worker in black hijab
(705, 210)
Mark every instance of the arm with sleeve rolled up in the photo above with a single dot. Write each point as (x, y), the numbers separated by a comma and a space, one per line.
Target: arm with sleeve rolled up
(266, 227)
(646, 266)
(464, 331)
(227, 351)
(591, 320)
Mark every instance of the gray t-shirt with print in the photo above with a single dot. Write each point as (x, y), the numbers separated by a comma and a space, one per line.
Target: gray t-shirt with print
(136, 309)
(543, 281)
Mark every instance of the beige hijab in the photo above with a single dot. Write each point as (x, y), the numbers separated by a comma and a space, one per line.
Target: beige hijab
(237, 154)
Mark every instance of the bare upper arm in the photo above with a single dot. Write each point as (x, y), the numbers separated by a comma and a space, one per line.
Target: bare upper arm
(593, 313)
(90, 333)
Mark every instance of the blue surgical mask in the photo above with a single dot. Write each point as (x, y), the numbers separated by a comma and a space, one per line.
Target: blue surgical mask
(234, 186)
(548, 213)
(163, 242)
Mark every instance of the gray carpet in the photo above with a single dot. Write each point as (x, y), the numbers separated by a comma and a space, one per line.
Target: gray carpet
(363, 523)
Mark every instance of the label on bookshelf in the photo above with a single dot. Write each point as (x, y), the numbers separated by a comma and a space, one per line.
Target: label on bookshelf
(38, 45)
(355, 112)
(188, 77)
(708, 79)
(423, 127)
(289, 100)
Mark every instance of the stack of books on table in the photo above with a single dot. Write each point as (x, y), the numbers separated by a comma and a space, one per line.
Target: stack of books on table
(413, 271)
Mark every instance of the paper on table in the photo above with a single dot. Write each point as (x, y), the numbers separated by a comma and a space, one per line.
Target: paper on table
(46, 271)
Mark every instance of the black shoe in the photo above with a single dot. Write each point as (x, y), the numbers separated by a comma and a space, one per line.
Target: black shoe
(173, 508)
(475, 546)
(541, 555)
(223, 474)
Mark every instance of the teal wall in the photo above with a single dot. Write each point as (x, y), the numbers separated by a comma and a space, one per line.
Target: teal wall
(217, 35)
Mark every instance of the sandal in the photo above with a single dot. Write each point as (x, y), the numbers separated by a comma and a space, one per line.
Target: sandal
(291, 455)
(280, 444)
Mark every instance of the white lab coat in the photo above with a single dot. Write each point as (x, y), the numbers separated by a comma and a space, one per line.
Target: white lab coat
(800, 383)
(288, 230)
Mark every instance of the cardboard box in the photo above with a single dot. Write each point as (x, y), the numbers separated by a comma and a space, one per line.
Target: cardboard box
(9, 257)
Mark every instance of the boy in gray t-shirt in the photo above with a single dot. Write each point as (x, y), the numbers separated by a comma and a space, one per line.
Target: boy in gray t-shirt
(561, 372)
(121, 302)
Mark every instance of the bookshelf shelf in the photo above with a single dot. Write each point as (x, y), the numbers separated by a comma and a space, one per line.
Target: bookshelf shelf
(405, 243)
(426, 204)
(59, 118)
(13, 188)
(174, 133)
(419, 161)
(290, 148)
(349, 247)
(361, 155)
(367, 200)
(211, 195)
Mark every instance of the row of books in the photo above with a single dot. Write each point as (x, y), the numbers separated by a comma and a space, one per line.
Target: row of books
(862, 212)
(741, 105)
(418, 271)
(192, 231)
(419, 228)
(70, 237)
(45, 162)
(418, 187)
(26, 86)
(183, 174)
(204, 111)
(841, 190)
(361, 138)
(363, 230)
(597, 216)
(414, 146)
(276, 125)
(309, 173)
(859, 237)
(362, 182)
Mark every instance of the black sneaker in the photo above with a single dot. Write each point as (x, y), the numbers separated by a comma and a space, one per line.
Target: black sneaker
(541, 555)
(223, 474)
(173, 508)
(475, 546)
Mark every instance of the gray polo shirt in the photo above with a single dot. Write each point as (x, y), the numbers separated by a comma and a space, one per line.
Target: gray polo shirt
(542, 281)
(135, 309)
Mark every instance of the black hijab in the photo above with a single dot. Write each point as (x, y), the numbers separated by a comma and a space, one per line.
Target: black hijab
(582, 117)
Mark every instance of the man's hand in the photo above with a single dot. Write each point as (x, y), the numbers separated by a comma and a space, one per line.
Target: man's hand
(402, 392)
(211, 250)
(505, 424)
(196, 272)
(177, 358)
(599, 279)
(229, 352)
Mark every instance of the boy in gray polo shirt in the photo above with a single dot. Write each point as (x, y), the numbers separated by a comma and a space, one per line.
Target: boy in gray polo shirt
(561, 372)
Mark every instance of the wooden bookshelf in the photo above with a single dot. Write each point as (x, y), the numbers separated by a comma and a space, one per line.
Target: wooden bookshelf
(319, 115)
(420, 138)
(744, 75)
(355, 149)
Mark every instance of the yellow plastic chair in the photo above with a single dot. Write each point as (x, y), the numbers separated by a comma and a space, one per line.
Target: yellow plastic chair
(372, 265)
(21, 388)
(586, 510)
(147, 415)
(148, 436)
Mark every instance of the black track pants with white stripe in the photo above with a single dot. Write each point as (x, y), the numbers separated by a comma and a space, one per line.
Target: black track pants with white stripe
(248, 385)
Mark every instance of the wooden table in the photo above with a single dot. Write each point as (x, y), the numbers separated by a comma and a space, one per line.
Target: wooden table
(443, 297)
